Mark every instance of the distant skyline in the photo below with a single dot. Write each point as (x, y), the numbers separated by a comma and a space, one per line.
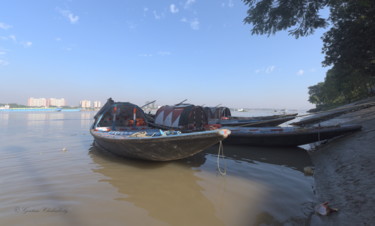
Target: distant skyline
(144, 50)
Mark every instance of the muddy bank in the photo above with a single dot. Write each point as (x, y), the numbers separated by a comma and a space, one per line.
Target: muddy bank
(345, 169)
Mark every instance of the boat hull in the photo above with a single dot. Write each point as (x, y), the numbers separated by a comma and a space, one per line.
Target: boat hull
(160, 148)
(263, 117)
(253, 122)
(288, 138)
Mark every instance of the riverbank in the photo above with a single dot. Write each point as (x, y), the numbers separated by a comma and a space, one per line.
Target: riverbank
(344, 169)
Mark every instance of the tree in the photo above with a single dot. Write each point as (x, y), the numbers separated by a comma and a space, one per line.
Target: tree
(349, 45)
(270, 16)
(316, 94)
(350, 41)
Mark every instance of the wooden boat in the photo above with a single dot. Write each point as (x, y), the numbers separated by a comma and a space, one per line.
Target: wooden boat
(252, 122)
(222, 116)
(121, 128)
(264, 117)
(285, 136)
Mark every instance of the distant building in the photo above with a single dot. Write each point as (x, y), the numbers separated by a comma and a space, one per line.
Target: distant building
(44, 102)
(85, 104)
(97, 104)
(37, 102)
(56, 102)
(5, 106)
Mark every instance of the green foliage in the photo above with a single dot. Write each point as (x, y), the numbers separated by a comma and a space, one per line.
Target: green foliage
(340, 87)
(14, 105)
(349, 45)
(270, 16)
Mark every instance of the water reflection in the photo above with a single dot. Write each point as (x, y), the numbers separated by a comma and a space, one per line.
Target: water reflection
(263, 185)
(42, 118)
(170, 192)
(34, 119)
(56, 119)
(86, 118)
(4, 118)
(292, 157)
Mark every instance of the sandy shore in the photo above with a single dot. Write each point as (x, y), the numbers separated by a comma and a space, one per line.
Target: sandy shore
(345, 170)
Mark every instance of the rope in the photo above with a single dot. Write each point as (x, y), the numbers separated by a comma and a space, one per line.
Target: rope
(319, 135)
(222, 171)
(139, 134)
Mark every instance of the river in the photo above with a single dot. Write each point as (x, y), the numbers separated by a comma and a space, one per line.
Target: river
(50, 174)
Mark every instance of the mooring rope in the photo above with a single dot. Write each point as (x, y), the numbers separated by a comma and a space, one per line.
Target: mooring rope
(222, 171)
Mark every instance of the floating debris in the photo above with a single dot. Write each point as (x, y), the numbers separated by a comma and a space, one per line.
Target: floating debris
(308, 170)
(324, 209)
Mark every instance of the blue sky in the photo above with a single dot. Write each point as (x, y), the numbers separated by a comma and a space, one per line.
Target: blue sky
(142, 50)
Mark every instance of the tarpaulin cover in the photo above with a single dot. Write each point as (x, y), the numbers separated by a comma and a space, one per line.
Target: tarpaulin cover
(217, 112)
(120, 114)
(184, 116)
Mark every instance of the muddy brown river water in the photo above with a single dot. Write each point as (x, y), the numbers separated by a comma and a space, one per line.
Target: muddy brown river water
(50, 174)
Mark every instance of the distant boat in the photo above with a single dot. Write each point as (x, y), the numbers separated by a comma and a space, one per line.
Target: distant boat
(241, 110)
(285, 136)
(121, 128)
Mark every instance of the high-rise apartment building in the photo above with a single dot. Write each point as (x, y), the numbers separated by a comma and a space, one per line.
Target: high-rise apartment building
(85, 104)
(97, 104)
(44, 102)
(56, 102)
(37, 102)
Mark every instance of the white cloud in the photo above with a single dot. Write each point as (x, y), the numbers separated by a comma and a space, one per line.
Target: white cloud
(70, 16)
(58, 39)
(27, 44)
(145, 55)
(300, 72)
(267, 70)
(188, 3)
(2, 53)
(230, 4)
(13, 38)
(270, 69)
(173, 8)
(194, 23)
(156, 16)
(131, 25)
(145, 11)
(3, 62)
(67, 48)
(4, 26)
(164, 53)
(9, 37)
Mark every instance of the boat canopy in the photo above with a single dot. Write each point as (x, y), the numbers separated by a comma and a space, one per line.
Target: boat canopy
(217, 112)
(183, 117)
(119, 114)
